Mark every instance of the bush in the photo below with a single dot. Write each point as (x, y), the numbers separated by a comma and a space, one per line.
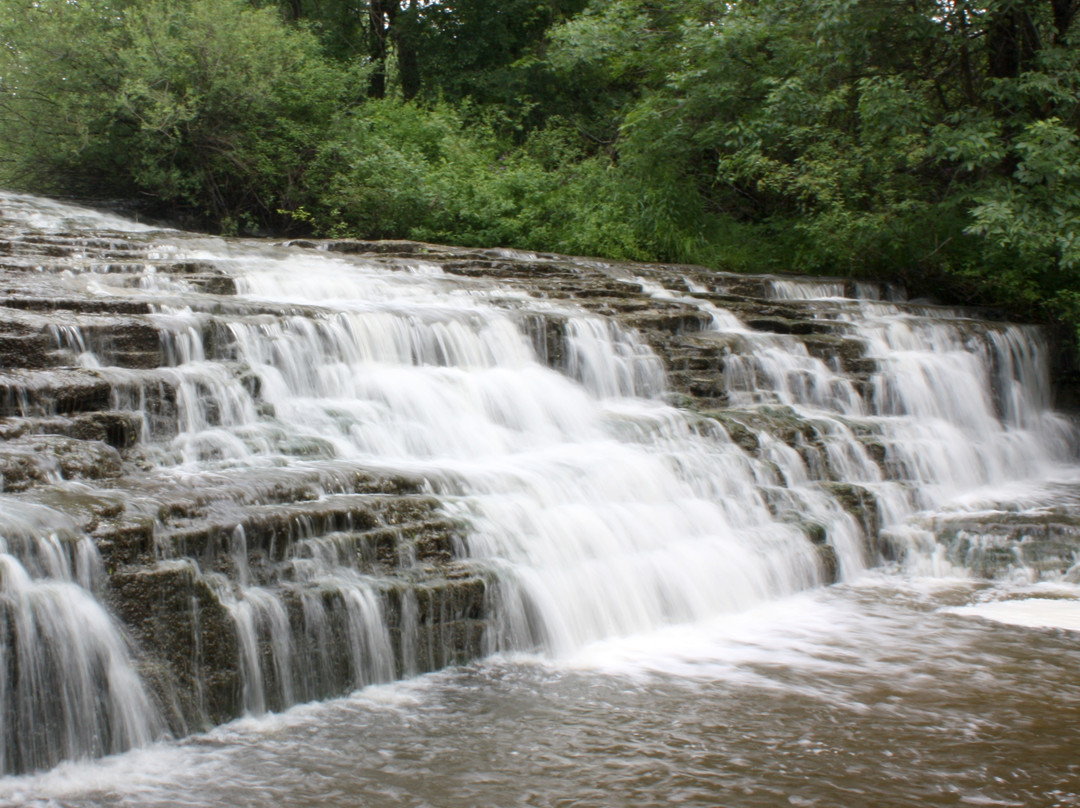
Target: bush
(394, 170)
(209, 104)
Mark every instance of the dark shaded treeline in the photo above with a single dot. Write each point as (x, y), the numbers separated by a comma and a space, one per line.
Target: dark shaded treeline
(927, 141)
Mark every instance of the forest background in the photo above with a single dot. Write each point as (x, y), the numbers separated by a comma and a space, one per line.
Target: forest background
(931, 142)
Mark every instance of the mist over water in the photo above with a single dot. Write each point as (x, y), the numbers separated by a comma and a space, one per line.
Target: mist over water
(656, 620)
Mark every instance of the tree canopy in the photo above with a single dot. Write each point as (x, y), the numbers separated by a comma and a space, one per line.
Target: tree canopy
(932, 141)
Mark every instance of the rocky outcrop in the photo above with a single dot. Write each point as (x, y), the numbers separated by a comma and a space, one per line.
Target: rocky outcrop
(89, 394)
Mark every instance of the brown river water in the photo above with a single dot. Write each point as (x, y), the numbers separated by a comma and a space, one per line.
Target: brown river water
(870, 694)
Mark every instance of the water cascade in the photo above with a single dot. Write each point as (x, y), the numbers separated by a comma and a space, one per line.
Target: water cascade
(240, 475)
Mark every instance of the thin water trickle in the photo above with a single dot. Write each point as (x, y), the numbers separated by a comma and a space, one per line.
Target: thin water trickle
(68, 684)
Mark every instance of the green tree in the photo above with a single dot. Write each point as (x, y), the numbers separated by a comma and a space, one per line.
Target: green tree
(58, 79)
(229, 106)
(210, 104)
(852, 136)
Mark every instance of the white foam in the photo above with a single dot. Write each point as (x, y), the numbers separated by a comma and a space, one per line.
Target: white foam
(141, 771)
(1029, 612)
(790, 632)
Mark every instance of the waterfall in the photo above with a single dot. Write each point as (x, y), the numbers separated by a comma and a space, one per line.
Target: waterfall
(68, 685)
(358, 467)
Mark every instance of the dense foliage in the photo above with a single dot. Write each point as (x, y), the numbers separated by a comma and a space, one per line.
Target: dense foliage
(932, 141)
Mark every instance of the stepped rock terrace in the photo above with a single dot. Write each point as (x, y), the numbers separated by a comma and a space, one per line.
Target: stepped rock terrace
(240, 475)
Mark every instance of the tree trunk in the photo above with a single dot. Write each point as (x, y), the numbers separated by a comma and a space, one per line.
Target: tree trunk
(1011, 40)
(1064, 13)
(381, 15)
(405, 32)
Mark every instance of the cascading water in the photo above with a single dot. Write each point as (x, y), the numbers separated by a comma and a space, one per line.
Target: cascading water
(363, 467)
(68, 686)
(596, 508)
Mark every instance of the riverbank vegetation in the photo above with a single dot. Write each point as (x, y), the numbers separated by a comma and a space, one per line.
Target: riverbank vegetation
(933, 142)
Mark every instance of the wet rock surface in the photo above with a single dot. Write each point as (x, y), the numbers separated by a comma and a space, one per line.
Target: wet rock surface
(83, 399)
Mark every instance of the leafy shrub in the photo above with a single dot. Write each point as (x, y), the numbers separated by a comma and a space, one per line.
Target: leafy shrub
(210, 104)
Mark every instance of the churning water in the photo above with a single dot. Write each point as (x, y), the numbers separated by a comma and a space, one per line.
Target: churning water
(656, 629)
(859, 695)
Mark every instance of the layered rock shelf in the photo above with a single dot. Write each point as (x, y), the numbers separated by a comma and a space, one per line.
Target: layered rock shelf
(251, 567)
